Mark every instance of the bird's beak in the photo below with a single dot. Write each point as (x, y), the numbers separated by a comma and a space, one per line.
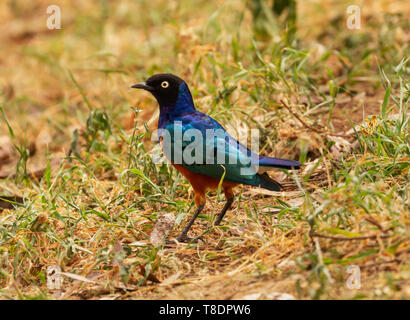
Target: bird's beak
(142, 85)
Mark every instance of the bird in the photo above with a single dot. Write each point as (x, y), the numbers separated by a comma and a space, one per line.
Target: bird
(216, 158)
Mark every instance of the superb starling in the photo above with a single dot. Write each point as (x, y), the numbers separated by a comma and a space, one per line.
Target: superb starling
(201, 149)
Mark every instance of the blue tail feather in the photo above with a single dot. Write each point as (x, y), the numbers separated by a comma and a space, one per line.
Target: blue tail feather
(266, 182)
(278, 163)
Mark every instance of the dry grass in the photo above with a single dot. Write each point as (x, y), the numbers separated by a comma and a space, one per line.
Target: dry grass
(88, 214)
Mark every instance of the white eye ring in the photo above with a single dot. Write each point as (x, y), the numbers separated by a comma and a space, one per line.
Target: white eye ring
(165, 84)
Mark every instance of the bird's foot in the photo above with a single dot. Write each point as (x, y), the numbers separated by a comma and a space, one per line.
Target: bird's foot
(186, 239)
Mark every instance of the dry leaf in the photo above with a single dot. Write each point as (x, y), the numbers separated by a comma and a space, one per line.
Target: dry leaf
(162, 227)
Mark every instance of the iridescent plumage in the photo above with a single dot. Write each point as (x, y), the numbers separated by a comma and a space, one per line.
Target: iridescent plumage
(216, 148)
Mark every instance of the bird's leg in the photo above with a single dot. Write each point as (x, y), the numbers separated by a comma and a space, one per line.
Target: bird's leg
(183, 237)
(229, 195)
(223, 211)
(200, 202)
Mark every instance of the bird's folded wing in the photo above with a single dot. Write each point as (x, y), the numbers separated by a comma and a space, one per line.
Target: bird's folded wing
(216, 156)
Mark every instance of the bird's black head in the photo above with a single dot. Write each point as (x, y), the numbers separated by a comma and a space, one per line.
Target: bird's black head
(163, 86)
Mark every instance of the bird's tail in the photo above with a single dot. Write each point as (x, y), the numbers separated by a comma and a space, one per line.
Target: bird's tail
(265, 163)
(266, 182)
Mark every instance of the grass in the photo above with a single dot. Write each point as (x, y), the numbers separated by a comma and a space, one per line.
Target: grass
(80, 150)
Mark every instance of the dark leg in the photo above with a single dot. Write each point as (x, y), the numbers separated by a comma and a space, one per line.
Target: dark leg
(223, 211)
(183, 236)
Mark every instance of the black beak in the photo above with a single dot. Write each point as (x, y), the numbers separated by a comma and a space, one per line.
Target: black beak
(142, 85)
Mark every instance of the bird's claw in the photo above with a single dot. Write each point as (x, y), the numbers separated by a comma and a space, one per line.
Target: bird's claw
(186, 239)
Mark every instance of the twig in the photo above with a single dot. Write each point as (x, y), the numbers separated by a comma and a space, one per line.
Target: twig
(375, 223)
(313, 128)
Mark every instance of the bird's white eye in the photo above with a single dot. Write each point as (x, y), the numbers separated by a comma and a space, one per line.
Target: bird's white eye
(165, 84)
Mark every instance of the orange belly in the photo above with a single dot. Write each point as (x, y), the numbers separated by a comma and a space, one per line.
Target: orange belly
(201, 183)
